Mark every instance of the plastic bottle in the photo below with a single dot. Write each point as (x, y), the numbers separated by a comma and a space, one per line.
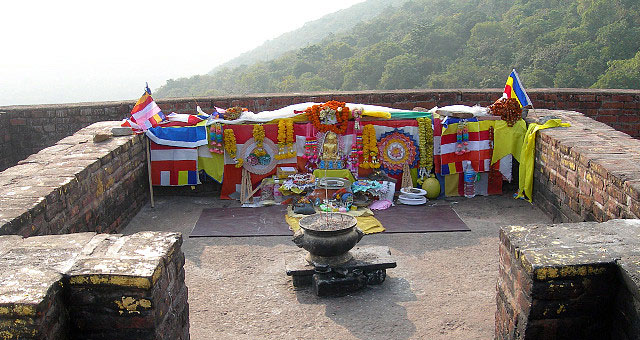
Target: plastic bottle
(469, 182)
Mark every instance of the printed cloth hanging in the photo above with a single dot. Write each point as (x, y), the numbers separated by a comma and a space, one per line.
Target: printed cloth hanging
(186, 137)
(173, 166)
(457, 140)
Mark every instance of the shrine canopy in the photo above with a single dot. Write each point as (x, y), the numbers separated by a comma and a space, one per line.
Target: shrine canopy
(296, 111)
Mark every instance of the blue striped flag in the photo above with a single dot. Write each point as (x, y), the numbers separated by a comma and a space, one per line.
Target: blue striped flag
(514, 89)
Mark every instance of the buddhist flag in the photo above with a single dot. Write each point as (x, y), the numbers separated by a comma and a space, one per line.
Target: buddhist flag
(173, 166)
(146, 113)
(514, 89)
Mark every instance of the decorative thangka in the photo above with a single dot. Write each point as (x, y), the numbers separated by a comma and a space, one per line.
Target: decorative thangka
(397, 148)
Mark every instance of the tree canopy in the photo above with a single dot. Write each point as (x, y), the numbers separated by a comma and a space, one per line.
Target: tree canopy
(452, 44)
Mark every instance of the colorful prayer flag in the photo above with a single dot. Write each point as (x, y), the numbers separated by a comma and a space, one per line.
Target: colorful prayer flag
(146, 113)
(477, 151)
(185, 137)
(171, 166)
(184, 119)
(514, 89)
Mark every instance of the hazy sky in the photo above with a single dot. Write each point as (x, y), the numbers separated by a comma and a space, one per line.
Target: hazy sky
(79, 51)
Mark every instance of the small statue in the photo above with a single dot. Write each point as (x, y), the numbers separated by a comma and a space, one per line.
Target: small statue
(330, 147)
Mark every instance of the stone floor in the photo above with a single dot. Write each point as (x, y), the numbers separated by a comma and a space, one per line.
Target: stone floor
(443, 288)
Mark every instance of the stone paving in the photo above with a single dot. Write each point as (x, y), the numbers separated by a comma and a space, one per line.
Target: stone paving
(443, 288)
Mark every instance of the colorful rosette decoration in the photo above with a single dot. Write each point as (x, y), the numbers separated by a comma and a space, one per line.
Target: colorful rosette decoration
(397, 148)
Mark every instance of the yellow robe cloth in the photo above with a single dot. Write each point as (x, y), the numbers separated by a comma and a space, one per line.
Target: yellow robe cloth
(212, 163)
(339, 173)
(508, 139)
(213, 166)
(366, 222)
(527, 157)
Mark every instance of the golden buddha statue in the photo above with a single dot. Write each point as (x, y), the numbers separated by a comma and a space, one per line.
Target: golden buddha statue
(330, 147)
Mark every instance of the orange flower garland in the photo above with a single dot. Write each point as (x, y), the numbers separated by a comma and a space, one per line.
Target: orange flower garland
(316, 114)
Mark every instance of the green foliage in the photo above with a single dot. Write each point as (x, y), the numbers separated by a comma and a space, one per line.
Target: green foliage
(448, 44)
(622, 74)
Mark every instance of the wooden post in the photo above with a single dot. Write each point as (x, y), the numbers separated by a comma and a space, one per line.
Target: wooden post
(245, 186)
(407, 182)
(148, 142)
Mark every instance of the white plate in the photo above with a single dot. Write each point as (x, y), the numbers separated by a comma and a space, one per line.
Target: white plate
(411, 201)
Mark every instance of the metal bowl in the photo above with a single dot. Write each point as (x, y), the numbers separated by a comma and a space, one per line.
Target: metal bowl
(328, 237)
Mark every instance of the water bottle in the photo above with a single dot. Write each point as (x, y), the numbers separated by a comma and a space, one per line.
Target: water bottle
(469, 183)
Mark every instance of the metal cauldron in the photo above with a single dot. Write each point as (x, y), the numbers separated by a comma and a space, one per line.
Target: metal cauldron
(328, 237)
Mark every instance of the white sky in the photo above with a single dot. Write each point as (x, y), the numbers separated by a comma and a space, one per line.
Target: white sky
(80, 51)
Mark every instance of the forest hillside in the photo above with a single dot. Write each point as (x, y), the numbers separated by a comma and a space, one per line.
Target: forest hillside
(452, 44)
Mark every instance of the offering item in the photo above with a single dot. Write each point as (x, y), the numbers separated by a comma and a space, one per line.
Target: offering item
(328, 237)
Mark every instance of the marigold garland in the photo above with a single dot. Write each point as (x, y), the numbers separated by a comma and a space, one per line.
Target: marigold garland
(258, 136)
(285, 139)
(369, 148)
(234, 113)
(316, 114)
(508, 109)
(231, 147)
(425, 132)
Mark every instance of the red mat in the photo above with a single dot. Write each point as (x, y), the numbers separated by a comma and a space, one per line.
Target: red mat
(420, 219)
(269, 221)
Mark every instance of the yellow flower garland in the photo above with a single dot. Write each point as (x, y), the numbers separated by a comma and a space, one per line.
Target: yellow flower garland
(285, 139)
(258, 136)
(231, 148)
(369, 148)
(290, 139)
(425, 132)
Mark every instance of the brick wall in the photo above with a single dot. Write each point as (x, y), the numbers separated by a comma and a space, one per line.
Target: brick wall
(75, 185)
(29, 129)
(569, 281)
(8, 156)
(587, 172)
(93, 286)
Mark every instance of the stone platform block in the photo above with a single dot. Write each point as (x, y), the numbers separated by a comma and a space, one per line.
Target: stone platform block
(98, 286)
(569, 281)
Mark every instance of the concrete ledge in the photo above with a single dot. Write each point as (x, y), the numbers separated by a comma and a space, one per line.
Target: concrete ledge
(97, 286)
(75, 185)
(569, 281)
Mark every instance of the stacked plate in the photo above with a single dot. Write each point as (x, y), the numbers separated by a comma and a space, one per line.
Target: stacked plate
(412, 196)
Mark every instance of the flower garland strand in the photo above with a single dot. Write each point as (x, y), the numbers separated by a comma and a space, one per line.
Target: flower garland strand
(356, 152)
(425, 132)
(335, 113)
(215, 138)
(369, 148)
(282, 139)
(285, 139)
(258, 136)
(290, 139)
(508, 109)
(231, 147)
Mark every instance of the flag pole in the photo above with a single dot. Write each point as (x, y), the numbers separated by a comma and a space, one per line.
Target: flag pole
(147, 142)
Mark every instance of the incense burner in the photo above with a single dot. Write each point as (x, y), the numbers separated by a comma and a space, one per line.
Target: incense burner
(328, 237)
